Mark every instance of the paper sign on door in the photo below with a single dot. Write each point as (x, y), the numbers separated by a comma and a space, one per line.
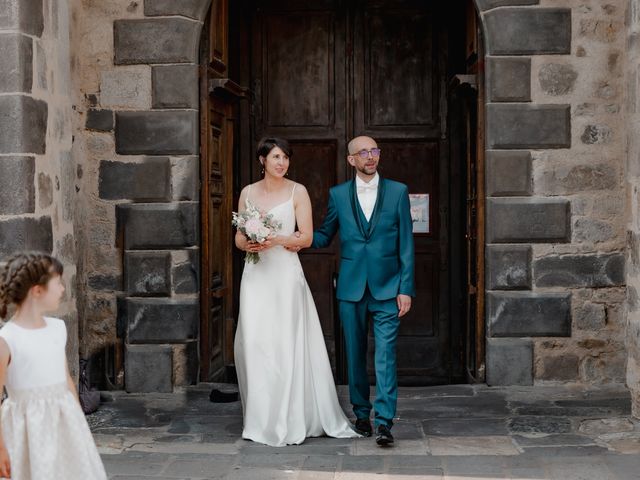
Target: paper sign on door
(420, 212)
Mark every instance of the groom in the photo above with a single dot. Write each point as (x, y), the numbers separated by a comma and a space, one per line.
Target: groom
(376, 278)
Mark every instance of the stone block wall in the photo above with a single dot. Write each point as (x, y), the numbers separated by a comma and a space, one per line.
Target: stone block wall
(555, 262)
(632, 72)
(37, 172)
(137, 140)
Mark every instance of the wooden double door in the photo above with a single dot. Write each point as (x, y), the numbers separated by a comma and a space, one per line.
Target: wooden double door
(318, 74)
(323, 72)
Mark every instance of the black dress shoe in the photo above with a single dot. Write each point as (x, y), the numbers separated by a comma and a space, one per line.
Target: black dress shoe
(383, 436)
(363, 427)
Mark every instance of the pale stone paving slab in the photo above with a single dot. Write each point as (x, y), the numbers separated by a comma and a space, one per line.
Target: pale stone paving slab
(304, 475)
(626, 442)
(607, 425)
(551, 440)
(581, 472)
(200, 466)
(490, 445)
(367, 446)
(261, 473)
(204, 448)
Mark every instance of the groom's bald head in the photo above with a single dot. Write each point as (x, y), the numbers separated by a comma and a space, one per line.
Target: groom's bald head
(366, 164)
(361, 143)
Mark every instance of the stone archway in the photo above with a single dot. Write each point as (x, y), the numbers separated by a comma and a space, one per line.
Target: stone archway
(158, 235)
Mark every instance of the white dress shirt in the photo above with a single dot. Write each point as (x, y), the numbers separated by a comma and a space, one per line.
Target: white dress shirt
(367, 195)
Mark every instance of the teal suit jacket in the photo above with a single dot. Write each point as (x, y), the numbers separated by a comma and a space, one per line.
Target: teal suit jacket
(378, 253)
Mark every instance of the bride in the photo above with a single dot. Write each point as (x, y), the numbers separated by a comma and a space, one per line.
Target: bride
(284, 376)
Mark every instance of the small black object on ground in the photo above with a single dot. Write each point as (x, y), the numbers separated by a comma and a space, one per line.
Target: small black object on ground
(220, 396)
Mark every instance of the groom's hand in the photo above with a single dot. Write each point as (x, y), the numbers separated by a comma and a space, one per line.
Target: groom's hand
(404, 304)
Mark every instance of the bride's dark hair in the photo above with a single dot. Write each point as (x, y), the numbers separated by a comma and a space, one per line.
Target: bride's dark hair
(267, 144)
(21, 272)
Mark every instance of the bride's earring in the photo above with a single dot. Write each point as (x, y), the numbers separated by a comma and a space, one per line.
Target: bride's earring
(262, 171)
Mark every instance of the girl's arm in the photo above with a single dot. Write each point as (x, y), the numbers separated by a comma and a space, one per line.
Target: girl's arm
(5, 357)
(304, 219)
(70, 383)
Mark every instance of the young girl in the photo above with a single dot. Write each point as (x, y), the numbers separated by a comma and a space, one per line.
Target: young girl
(44, 434)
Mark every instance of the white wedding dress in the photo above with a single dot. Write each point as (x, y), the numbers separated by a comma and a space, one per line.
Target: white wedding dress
(284, 376)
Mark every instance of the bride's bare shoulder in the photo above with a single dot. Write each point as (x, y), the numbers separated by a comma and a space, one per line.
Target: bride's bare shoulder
(300, 193)
(247, 188)
(244, 195)
(299, 187)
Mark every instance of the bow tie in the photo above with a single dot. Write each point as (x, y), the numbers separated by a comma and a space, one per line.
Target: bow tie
(367, 188)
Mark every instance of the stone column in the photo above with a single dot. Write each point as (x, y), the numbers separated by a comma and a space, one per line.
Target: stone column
(23, 129)
(138, 145)
(37, 174)
(554, 256)
(515, 217)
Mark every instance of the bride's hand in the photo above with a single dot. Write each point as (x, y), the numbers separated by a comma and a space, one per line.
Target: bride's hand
(258, 247)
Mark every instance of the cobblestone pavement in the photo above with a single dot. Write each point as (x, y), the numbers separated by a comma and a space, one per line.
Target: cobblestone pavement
(459, 432)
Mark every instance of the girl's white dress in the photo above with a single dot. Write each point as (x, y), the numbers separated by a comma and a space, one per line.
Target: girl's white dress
(43, 425)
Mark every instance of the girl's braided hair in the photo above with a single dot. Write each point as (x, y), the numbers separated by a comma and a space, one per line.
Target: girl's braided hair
(21, 272)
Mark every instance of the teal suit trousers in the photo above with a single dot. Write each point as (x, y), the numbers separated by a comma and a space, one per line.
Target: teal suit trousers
(385, 324)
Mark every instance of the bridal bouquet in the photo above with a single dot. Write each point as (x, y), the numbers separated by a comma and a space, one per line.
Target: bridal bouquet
(256, 226)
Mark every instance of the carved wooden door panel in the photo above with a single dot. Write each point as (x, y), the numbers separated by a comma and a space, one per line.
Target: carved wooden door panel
(217, 96)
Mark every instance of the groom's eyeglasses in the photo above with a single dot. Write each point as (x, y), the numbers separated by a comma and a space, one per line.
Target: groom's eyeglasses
(364, 154)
